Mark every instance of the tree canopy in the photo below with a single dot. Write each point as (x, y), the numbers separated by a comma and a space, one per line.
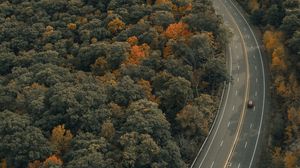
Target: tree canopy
(86, 83)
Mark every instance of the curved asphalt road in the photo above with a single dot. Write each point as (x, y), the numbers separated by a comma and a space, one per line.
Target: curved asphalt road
(236, 137)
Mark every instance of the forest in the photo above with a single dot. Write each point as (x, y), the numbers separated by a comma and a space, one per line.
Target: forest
(280, 22)
(110, 83)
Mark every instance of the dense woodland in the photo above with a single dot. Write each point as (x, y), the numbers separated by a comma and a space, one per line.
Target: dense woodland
(280, 22)
(108, 83)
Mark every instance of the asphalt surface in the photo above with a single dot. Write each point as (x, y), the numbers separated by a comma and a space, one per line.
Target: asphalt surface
(236, 137)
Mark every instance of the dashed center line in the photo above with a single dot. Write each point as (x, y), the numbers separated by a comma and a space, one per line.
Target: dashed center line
(255, 67)
(228, 124)
(254, 108)
(236, 92)
(256, 93)
(256, 80)
(233, 108)
(221, 143)
(238, 67)
(251, 125)
(246, 144)
(238, 79)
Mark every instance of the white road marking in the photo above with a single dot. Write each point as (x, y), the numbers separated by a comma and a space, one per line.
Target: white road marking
(222, 115)
(256, 80)
(246, 144)
(238, 67)
(251, 125)
(228, 124)
(254, 108)
(238, 79)
(264, 85)
(255, 67)
(221, 143)
(255, 93)
(239, 165)
(254, 56)
(235, 46)
(212, 164)
(233, 108)
(236, 92)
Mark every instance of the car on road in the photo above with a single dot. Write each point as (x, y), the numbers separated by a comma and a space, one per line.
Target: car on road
(250, 104)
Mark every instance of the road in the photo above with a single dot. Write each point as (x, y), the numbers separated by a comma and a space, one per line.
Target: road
(236, 136)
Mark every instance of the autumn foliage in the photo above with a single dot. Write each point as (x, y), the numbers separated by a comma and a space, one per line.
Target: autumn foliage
(147, 88)
(60, 138)
(132, 40)
(116, 25)
(163, 2)
(35, 164)
(107, 130)
(3, 163)
(137, 53)
(177, 30)
(274, 45)
(72, 26)
(52, 161)
(253, 5)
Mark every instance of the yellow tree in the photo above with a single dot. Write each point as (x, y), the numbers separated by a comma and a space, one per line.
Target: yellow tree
(277, 157)
(72, 26)
(147, 89)
(52, 161)
(132, 40)
(281, 86)
(160, 2)
(35, 164)
(116, 25)
(60, 139)
(49, 31)
(108, 130)
(253, 5)
(3, 163)
(273, 40)
(290, 160)
(277, 59)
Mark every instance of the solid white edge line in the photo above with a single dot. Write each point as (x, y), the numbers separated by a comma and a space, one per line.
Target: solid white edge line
(212, 164)
(229, 86)
(212, 125)
(264, 85)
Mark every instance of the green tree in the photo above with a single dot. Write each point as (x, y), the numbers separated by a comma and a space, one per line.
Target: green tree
(17, 136)
(290, 24)
(127, 91)
(274, 15)
(176, 95)
(145, 117)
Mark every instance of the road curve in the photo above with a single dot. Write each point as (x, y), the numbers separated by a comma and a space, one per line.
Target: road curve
(236, 137)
